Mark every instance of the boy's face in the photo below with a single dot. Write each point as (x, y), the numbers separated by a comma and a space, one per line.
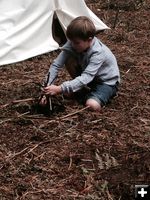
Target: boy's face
(81, 45)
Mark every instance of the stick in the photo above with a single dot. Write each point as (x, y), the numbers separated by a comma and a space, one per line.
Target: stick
(116, 18)
(12, 118)
(23, 100)
(32, 149)
(46, 118)
(57, 119)
(17, 101)
(50, 104)
(6, 120)
(76, 112)
(18, 153)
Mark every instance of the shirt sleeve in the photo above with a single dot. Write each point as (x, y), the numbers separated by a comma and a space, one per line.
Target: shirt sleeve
(57, 64)
(87, 75)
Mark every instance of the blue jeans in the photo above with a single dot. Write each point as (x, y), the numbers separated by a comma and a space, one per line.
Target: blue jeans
(102, 93)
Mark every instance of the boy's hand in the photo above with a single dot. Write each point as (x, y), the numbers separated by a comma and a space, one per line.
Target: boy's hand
(52, 90)
(43, 101)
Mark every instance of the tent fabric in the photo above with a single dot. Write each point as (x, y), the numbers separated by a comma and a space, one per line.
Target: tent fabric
(26, 26)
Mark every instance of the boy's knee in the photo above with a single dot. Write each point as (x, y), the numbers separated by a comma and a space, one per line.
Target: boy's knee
(93, 105)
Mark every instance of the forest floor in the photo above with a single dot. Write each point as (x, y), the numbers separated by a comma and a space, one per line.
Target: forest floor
(75, 153)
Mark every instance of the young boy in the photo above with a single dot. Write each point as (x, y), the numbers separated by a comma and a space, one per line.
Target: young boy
(90, 63)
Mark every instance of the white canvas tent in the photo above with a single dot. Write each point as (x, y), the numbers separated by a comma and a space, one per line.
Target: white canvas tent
(26, 26)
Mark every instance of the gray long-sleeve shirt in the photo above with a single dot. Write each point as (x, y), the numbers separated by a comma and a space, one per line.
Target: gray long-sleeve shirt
(98, 62)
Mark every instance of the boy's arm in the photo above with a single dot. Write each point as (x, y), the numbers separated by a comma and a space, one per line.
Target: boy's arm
(86, 77)
(57, 64)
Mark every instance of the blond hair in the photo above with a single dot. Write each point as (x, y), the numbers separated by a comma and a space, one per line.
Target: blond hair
(82, 28)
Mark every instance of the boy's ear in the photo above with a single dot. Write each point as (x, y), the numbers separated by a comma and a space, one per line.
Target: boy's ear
(90, 39)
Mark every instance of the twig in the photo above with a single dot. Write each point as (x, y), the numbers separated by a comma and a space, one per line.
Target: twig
(109, 195)
(128, 70)
(17, 154)
(21, 115)
(136, 106)
(45, 118)
(74, 113)
(58, 118)
(23, 100)
(39, 130)
(12, 118)
(116, 18)
(17, 101)
(33, 148)
(87, 189)
(50, 104)
(6, 120)
(70, 164)
(3, 106)
(37, 117)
